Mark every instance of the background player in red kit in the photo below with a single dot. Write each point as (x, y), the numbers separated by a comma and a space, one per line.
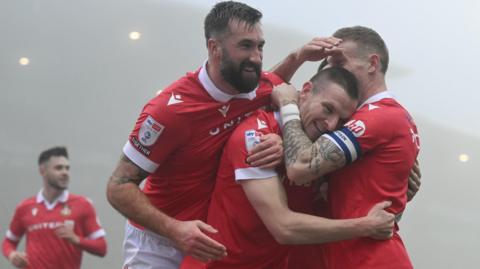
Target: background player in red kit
(177, 143)
(249, 204)
(58, 225)
(381, 136)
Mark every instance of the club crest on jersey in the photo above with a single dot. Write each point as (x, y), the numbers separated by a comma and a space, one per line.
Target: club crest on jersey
(34, 211)
(223, 110)
(252, 138)
(357, 127)
(150, 131)
(65, 211)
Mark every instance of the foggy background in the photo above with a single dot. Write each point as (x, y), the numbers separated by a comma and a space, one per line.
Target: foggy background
(87, 80)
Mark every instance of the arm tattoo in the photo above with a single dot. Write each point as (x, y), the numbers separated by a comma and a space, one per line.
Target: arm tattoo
(329, 152)
(295, 141)
(299, 148)
(128, 172)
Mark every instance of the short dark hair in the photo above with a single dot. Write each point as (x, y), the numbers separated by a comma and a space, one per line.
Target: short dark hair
(222, 13)
(55, 151)
(367, 39)
(322, 65)
(337, 75)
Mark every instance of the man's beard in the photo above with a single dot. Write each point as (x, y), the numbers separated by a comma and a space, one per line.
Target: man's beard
(232, 73)
(56, 185)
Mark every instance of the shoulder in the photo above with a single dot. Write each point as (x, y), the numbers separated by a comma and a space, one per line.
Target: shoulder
(80, 200)
(260, 120)
(26, 203)
(383, 111)
(385, 116)
(271, 78)
(186, 86)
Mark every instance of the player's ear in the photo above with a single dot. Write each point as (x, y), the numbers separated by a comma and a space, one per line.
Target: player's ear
(41, 169)
(214, 48)
(374, 63)
(306, 90)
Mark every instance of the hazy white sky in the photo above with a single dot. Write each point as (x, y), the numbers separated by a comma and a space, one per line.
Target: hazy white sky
(434, 46)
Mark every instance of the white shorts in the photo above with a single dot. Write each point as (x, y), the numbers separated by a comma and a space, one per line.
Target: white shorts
(143, 249)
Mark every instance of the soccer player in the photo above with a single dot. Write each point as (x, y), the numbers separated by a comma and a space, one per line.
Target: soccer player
(249, 204)
(178, 138)
(59, 225)
(377, 148)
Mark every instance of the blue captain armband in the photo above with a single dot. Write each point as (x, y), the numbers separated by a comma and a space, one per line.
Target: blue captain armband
(347, 142)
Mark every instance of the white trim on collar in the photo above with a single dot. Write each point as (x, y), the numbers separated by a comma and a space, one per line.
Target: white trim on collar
(377, 97)
(218, 94)
(62, 198)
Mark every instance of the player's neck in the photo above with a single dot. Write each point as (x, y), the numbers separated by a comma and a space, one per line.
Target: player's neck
(217, 79)
(371, 88)
(51, 194)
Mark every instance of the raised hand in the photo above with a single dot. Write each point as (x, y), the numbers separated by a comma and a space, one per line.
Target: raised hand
(319, 48)
(284, 94)
(267, 154)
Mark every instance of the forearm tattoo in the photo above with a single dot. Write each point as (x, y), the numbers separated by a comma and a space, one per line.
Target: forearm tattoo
(299, 148)
(329, 152)
(295, 141)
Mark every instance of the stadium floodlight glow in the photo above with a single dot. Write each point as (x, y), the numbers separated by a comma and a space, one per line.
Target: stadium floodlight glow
(134, 35)
(24, 61)
(463, 158)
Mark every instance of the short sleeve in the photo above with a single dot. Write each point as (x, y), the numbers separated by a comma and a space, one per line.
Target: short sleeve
(16, 228)
(157, 133)
(90, 223)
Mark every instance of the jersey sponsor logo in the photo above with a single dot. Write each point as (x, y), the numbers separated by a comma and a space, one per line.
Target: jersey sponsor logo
(357, 127)
(175, 99)
(45, 225)
(261, 124)
(229, 124)
(150, 131)
(223, 110)
(252, 138)
(69, 223)
(137, 144)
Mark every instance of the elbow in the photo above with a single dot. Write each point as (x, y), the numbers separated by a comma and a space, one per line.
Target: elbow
(283, 237)
(296, 176)
(111, 193)
(280, 230)
(103, 252)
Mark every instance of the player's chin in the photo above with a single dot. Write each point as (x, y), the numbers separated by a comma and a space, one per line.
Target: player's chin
(63, 185)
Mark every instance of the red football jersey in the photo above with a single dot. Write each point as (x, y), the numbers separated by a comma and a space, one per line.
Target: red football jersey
(301, 199)
(38, 219)
(249, 243)
(179, 135)
(384, 139)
